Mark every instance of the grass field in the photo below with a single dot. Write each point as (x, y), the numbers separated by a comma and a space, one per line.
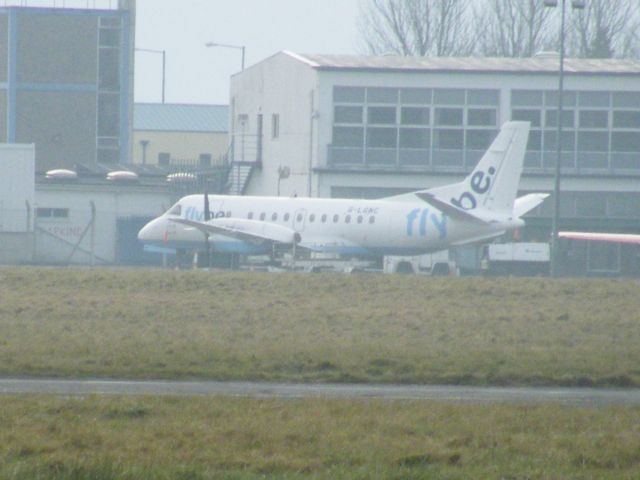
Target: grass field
(321, 327)
(200, 438)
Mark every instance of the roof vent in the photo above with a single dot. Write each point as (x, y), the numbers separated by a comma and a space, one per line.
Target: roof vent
(122, 176)
(181, 177)
(61, 174)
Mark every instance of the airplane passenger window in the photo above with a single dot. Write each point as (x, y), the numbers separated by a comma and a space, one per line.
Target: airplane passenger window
(347, 219)
(372, 219)
(359, 218)
(263, 216)
(312, 218)
(274, 217)
(228, 214)
(250, 215)
(336, 218)
(286, 217)
(177, 210)
(299, 218)
(324, 218)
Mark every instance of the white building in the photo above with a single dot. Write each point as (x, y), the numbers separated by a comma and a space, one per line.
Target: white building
(357, 126)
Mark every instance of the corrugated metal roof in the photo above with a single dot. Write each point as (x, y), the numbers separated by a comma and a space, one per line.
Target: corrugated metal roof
(172, 117)
(542, 64)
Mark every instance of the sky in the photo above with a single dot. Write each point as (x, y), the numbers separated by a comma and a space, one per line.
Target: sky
(197, 74)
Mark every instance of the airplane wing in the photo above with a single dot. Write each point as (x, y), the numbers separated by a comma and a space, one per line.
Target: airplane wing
(251, 231)
(602, 237)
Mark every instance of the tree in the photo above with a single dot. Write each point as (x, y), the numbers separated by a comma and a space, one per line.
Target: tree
(512, 28)
(606, 29)
(417, 27)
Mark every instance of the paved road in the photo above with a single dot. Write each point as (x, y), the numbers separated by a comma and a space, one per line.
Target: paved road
(569, 396)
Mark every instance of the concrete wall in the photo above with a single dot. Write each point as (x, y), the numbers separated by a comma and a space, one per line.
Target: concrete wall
(56, 236)
(282, 86)
(16, 187)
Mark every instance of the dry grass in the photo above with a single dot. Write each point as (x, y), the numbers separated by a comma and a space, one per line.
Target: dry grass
(126, 438)
(221, 325)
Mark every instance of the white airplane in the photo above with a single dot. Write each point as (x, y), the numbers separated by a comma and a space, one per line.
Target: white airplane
(480, 207)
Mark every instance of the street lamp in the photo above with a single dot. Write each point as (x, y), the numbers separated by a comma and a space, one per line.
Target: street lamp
(164, 64)
(224, 45)
(576, 5)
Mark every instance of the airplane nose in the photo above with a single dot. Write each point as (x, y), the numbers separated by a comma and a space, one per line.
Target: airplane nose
(146, 233)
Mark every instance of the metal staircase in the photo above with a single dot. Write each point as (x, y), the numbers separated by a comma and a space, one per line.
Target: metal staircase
(239, 175)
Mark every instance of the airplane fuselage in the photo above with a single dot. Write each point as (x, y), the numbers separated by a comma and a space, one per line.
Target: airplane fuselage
(341, 226)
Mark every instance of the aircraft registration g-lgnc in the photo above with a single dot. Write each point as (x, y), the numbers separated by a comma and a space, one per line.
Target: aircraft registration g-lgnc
(482, 206)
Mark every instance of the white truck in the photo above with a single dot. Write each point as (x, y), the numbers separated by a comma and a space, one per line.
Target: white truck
(437, 263)
(518, 258)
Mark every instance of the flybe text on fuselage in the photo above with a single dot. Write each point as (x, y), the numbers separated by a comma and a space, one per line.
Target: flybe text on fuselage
(480, 183)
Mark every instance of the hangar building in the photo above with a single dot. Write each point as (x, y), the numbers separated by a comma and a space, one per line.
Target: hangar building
(65, 81)
(367, 127)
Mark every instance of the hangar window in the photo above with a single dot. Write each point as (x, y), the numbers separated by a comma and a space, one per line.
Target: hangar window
(347, 114)
(448, 116)
(626, 119)
(594, 119)
(274, 217)
(381, 115)
(551, 118)
(532, 116)
(348, 136)
(482, 117)
(348, 94)
(414, 115)
(526, 97)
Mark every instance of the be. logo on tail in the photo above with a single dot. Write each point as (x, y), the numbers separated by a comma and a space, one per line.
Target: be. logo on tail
(480, 184)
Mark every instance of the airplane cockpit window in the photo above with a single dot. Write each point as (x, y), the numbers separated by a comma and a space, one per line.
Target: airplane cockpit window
(176, 210)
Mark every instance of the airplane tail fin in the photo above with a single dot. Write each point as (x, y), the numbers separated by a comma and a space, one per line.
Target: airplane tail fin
(493, 184)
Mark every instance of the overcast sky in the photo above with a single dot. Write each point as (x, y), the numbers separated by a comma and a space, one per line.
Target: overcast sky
(196, 74)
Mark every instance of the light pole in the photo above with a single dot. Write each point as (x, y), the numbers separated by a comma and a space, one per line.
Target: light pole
(164, 64)
(224, 45)
(576, 5)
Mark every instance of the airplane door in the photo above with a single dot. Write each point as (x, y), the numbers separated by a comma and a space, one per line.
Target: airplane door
(299, 219)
